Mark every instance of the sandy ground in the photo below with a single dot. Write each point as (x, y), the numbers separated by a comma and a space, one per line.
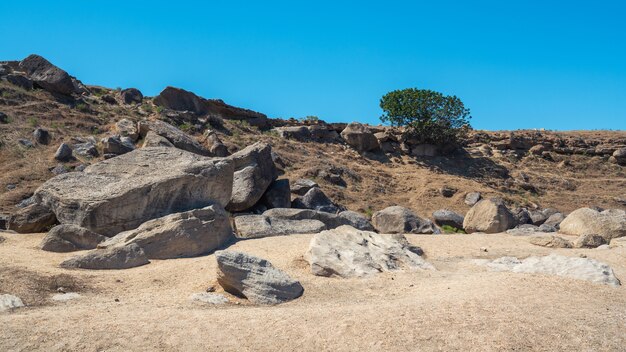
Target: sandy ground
(460, 306)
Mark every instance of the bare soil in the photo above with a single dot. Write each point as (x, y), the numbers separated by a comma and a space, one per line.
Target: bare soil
(460, 306)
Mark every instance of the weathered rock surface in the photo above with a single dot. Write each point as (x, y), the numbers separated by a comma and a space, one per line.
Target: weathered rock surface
(215, 145)
(348, 252)
(298, 133)
(315, 199)
(255, 279)
(586, 221)
(554, 220)
(447, 217)
(42, 136)
(550, 241)
(33, 218)
(152, 139)
(208, 297)
(178, 138)
(127, 128)
(131, 96)
(121, 193)
(570, 267)
(355, 220)
(122, 257)
(303, 185)
(69, 238)
(8, 302)
(257, 226)
(489, 216)
(278, 195)
(254, 172)
(397, 219)
(359, 137)
(590, 241)
(180, 100)
(186, 234)
(63, 153)
(47, 76)
(115, 145)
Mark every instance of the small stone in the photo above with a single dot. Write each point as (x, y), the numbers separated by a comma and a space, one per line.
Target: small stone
(211, 298)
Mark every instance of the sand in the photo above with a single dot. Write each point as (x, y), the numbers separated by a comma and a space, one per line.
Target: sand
(461, 306)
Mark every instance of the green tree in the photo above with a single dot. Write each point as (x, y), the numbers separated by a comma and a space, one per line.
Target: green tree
(429, 116)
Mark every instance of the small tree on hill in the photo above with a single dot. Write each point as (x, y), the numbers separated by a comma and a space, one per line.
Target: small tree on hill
(429, 116)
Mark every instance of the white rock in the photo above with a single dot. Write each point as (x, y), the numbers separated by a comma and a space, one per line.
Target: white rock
(553, 264)
(64, 297)
(8, 302)
(348, 252)
(211, 298)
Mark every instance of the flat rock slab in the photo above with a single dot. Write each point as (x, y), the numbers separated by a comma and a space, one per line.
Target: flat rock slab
(185, 234)
(255, 279)
(64, 297)
(553, 264)
(348, 252)
(121, 193)
(8, 302)
(257, 226)
(210, 298)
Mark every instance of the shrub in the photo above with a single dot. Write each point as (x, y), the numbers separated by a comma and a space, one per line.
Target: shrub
(429, 116)
(451, 229)
(33, 122)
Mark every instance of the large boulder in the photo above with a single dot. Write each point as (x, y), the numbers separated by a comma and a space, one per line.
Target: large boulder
(152, 139)
(180, 100)
(255, 279)
(554, 220)
(257, 226)
(64, 153)
(178, 138)
(33, 218)
(277, 195)
(355, 220)
(122, 257)
(117, 145)
(359, 137)
(315, 199)
(330, 220)
(348, 252)
(184, 234)
(472, 198)
(489, 216)
(254, 172)
(298, 133)
(42, 136)
(584, 221)
(69, 238)
(127, 128)
(121, 193)
(47, 76)
(619, 157)
(215, 145)
(445, 217)
(397, 219)
(131, 96)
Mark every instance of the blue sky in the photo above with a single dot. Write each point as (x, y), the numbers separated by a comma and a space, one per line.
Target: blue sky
(515, 64)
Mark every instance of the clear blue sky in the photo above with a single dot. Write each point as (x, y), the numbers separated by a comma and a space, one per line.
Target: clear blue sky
(516, 64)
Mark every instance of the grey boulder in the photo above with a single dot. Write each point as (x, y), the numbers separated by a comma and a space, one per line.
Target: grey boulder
(347, 252)
(254, 172)
(63, 153)
(178, 138)
(255, 278)
(315, 199)
(472, 198)
(123, 257)
(303, 185)
(69, 238)
(278, 195)
(185, 234)
(257, 226)
(359, 137)
(445, 217)
(397, 219)
(48, 76)
(121, 193)
(33, 218)
(608, 224)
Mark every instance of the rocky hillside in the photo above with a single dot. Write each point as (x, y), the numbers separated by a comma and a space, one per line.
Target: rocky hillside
(360, 168)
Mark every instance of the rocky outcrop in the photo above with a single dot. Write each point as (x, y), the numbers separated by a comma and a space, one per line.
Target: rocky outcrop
(185, 234)
(254, 278)
(257, 226)
(254, 172)
(122, 257)
(590, 241)
(47, 76)
(397, 219)
(330, 220)
(178, 138)
(445, 217)
(42, 136)
(489, 216)
(584, 221)
(152, 139)
(33, 218)
(69, 238)
(121, 193)
(359, 137)
(127, 128)
(64, 153)
(302, 185)
(117, 145)
(348, 252)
